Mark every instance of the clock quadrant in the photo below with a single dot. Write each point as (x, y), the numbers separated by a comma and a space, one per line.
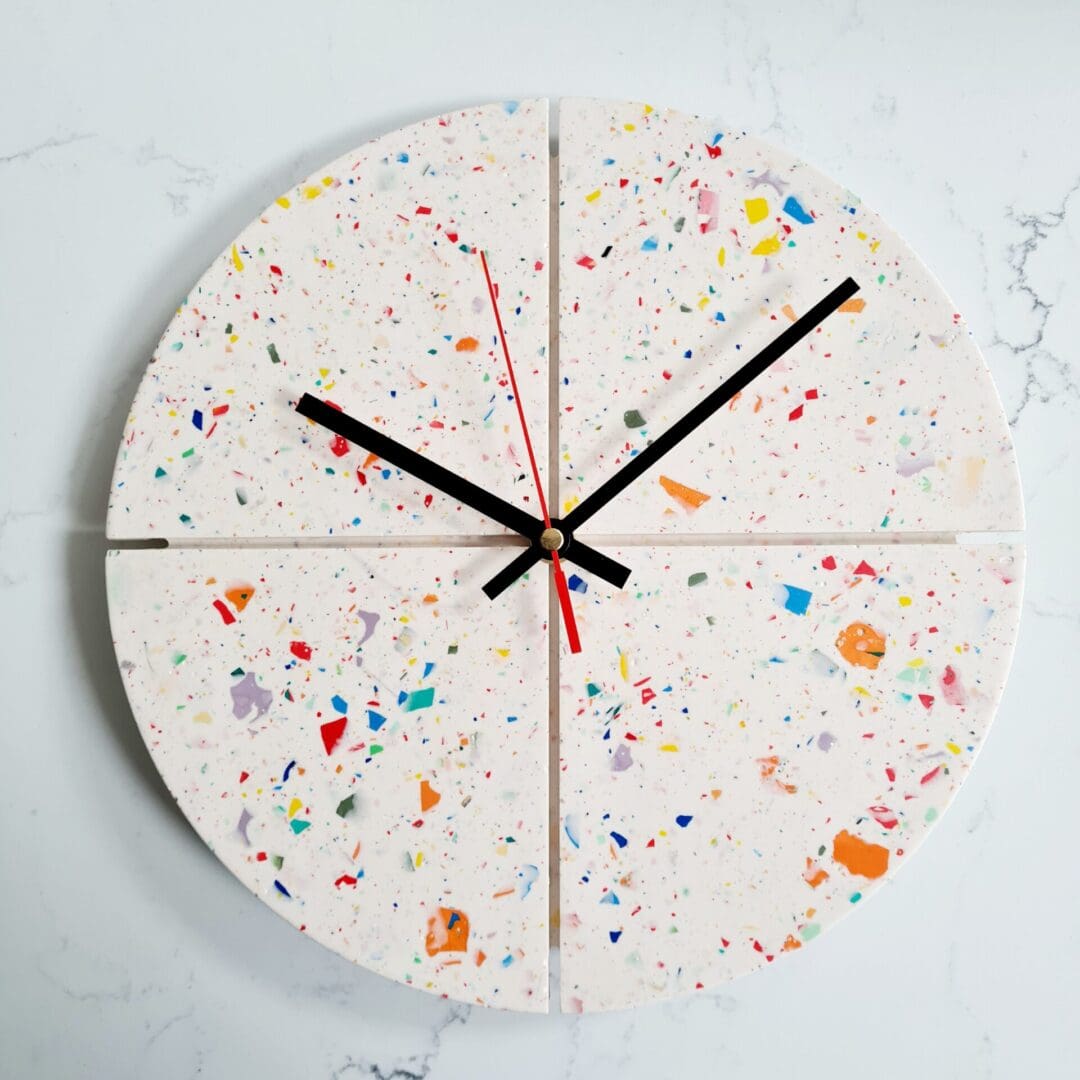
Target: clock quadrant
(684, 249)
(764, 737)
(359, 742)
(362, 286)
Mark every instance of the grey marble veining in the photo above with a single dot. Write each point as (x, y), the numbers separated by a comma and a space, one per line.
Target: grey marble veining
(135, 143)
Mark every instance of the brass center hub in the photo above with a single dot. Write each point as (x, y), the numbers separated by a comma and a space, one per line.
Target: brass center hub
(551, 539)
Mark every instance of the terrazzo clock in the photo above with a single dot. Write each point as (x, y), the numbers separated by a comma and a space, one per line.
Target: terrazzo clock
(750, 624)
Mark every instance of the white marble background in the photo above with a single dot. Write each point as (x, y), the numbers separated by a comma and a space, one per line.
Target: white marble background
(136, 138)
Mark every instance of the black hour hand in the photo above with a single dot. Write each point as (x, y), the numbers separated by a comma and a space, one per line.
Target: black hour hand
(457, 487)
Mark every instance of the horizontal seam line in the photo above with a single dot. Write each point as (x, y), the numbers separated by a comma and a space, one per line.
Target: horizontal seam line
(975, 538)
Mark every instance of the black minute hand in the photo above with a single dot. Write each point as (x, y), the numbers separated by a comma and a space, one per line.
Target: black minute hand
(457, 487)
(619, 481)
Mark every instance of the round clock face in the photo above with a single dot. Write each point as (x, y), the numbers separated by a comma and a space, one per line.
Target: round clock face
(776, 463)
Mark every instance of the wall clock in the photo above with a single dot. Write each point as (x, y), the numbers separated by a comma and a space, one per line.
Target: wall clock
(667, 452)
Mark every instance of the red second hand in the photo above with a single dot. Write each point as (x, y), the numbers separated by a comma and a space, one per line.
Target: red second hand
(561, 587)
